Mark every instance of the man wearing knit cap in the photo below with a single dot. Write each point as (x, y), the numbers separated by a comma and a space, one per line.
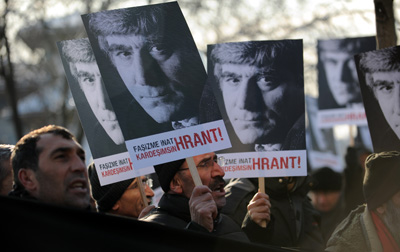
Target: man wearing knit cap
(376, 225)
(121, 198)
(326, 197)
(185, 205)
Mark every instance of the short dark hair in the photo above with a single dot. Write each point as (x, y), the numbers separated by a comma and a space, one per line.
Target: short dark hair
(5, 154)
(261, 53)
(26, 154)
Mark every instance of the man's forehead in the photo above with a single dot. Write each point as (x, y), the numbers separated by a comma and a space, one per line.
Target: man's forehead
(132, 38)
(243, 68)
(87, 67)
(386, 75)
(338, 55)
(337, 45)
(49, 142)
(204, 156)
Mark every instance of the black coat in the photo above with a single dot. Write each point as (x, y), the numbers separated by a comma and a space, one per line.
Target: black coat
(294, 222)
(173, 210)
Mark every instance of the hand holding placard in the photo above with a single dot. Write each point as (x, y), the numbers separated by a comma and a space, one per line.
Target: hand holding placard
(203, 209)
(259, 206)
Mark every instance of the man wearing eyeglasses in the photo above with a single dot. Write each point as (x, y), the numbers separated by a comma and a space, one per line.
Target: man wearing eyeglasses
(121, 198)
(185, 205)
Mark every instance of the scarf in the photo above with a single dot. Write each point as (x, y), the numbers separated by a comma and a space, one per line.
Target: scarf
(386, 238)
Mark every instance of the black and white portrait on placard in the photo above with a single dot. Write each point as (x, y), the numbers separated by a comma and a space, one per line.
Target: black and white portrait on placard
(151, 67)
(337, 74)
(259, 88)
(321, 144)
(97, 116)
(379, 74)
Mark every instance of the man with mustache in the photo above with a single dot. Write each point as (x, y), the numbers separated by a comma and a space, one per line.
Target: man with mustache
(261, 84)
(185, 205)
(49, 166)
(105, 136)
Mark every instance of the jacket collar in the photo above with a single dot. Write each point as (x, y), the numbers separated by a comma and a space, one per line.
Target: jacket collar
(370, 231)
(176, 205)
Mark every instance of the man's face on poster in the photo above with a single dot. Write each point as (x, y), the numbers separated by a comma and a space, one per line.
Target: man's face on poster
(153, 72)
(90, 81)
(256, 101)
(386, 86)
(341, 75)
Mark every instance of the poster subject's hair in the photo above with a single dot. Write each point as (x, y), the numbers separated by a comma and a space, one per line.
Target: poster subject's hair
(75, 51)
(379, 61)
(163, 20)
(281, 55)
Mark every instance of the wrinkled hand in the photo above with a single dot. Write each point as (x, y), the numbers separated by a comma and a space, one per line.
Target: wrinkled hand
(203, 209)
(259, 209)
(145, 211)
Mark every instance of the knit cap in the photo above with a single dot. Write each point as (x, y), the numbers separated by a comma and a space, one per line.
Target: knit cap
(326, 179)
(382, 178)
(166, 172)
(106, 196)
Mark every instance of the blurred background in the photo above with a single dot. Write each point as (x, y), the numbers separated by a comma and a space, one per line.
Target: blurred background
(33, 88)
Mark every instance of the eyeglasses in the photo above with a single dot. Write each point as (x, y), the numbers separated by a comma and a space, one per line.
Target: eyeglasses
(208, 163)
(146, 181)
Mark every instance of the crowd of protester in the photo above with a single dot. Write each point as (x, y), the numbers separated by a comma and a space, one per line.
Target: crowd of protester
(356, 210)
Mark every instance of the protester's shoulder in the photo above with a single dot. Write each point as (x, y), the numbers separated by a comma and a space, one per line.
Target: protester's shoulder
(242, 186)
(348, 234)
(238, 191)
(160, 216)
(229, 222)
(228, 228)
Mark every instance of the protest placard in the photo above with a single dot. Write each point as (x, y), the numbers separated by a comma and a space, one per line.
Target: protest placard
(340, 100)
(154, 77)
(259, 88)
(379, 75)
(321, 144)
(97, 116)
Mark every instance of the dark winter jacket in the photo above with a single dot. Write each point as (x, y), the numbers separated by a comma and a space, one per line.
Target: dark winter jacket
(173, 210)
(295, 223)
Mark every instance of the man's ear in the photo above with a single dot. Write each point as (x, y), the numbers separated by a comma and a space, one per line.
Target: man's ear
(27, 177)
(116, 206)
(176, 185)
(381, 209)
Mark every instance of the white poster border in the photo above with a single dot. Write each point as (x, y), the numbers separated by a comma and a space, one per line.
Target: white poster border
(118, 167)
(328, 118)
(178, 144)
(291, 163)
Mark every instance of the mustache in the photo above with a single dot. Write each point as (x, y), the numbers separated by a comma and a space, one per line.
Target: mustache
(217, 182)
